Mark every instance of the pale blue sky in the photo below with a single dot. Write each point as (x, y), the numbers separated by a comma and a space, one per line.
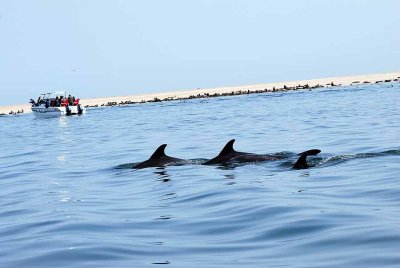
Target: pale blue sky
(99, 48)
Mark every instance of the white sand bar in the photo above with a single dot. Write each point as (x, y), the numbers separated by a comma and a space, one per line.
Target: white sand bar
(346, 80)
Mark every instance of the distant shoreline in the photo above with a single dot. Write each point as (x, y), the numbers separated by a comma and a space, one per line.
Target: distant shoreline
(223, 91)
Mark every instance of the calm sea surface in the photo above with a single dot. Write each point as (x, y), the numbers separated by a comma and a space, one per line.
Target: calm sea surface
(67, 201)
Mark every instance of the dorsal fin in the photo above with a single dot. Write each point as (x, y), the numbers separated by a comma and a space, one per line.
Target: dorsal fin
(301, 163)
(228, 148)
(159, 152)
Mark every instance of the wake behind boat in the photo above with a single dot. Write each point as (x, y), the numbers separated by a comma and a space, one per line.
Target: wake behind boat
(56, 104)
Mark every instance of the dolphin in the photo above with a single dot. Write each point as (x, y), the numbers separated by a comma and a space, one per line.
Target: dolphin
(228, 155)
(160, 159)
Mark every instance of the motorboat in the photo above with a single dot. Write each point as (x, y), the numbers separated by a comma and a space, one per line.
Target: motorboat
(55, 104)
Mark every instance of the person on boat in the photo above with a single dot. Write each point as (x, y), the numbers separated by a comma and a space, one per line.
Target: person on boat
(57, 102)
(47, 103)
(64, 102)
(76, 102)
(73, 100)
(68, 110)
(70, 101)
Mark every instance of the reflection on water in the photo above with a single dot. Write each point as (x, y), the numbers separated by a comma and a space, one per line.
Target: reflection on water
(162, 174)
(68, 200)
(62, 121)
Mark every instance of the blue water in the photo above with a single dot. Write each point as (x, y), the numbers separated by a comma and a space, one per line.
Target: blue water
(65, 201)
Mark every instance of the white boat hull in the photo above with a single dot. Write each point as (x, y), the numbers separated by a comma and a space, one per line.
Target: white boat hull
(41, 111)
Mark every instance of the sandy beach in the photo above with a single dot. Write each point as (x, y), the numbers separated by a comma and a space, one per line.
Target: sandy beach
(233, 90)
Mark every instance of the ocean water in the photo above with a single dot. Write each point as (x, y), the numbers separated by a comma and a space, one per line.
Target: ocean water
(66, 199)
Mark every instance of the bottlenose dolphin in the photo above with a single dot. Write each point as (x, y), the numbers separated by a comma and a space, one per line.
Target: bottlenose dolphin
(301, 163)
(228, 155)
(160, 159)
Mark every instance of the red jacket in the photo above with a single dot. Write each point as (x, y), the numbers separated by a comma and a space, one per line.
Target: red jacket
(64, 102)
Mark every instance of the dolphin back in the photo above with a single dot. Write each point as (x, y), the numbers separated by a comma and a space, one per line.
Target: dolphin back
(301, 163)
(154, 159)
(160, 152)
(228, 148)
(222, 156)
(159, 159)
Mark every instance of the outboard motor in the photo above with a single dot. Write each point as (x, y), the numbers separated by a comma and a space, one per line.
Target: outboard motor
(80, 110)
(68, 110)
